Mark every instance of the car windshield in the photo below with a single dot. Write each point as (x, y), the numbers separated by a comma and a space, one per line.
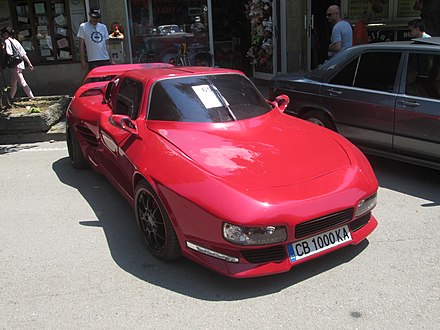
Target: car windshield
(206, 99)
(328, 68)
(169, 29)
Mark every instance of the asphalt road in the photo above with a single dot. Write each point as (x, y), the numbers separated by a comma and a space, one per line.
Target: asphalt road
(71, 257)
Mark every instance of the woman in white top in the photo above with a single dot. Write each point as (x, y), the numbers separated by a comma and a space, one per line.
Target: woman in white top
(17, 71)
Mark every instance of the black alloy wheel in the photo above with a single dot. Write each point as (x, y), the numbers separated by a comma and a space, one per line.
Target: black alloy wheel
(154, 223)
(76, 155)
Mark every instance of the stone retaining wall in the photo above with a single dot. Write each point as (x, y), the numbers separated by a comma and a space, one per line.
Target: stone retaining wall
(35, 122)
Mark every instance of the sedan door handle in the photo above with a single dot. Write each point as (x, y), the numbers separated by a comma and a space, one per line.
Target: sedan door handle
(334, 92)
(411, 104)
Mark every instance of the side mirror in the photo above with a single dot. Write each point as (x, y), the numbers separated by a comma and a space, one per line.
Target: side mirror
(124, 122)
(282, 101)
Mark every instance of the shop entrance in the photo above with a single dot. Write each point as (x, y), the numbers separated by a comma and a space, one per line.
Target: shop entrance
(232, 34)
(318, 32)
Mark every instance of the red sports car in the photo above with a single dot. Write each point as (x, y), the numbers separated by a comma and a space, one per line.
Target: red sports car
(218, 174)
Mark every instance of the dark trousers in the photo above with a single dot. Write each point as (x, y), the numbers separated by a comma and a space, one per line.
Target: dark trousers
(95, 64)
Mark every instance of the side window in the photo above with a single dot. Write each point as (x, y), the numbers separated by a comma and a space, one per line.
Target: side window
(378, 70)
(423, 75)
(346, 76)
(128, 100)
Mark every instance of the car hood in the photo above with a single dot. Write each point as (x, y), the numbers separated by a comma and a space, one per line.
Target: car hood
(273, 150)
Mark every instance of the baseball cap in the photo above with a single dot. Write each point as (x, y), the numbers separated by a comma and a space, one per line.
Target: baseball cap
(95, 13)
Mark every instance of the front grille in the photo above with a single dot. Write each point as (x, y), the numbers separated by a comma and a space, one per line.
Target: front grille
(87, 135)
(360, 222)
(318, 225)
(275, 253)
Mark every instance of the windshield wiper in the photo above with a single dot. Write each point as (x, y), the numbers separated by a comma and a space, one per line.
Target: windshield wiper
(223, 100)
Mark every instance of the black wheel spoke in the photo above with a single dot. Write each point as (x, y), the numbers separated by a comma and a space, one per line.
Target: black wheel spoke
(154, 224)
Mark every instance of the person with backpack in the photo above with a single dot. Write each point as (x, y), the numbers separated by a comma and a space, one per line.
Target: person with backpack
(15, 58)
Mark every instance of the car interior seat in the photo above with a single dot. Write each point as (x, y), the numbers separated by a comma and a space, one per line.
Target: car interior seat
(413, 86)
(434, 78)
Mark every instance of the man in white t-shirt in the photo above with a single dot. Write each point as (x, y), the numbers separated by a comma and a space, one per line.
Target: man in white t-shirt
(94, 37)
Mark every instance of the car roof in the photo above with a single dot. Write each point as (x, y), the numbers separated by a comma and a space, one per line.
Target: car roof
(116, 69)
(154, 74)
(417, 43)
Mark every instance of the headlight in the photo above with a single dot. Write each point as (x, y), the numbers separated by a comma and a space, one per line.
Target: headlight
(254, 235)
(366, 205)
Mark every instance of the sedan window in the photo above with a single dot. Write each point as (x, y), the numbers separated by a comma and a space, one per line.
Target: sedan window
(346, 76)
(378, 71)
(206, 98)
(423, 75)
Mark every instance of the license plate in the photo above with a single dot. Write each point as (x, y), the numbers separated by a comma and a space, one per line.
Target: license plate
(315, 244)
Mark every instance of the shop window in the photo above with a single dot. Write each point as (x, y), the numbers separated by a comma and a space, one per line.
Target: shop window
(44, 29)
(170, 31)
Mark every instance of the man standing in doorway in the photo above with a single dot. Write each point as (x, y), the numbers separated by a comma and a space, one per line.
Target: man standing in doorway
(94, 37)
(342, 34)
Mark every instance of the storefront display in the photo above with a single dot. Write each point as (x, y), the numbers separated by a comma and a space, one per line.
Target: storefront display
(260, 53)
(170, 31)
(44, 30)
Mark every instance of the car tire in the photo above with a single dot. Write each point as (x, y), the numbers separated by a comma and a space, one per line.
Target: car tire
(76, 155)
(203, 60)
(155, 224)
(169, 55)
(320, 118)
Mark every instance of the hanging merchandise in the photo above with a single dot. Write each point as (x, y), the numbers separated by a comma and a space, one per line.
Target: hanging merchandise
(259, 13)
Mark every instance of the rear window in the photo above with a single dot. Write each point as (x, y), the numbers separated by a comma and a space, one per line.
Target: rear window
(206, 98)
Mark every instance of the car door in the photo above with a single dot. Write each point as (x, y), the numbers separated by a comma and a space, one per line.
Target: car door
(417, 128)
(361, 98)
(119, 142)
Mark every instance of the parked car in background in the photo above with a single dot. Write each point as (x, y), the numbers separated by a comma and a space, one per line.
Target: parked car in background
(169, 43)
(217, 173)
(384, 97)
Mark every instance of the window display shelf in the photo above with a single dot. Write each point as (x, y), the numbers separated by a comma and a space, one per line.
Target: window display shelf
(44, 30)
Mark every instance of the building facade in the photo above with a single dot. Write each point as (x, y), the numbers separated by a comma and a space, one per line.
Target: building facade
(260, 37)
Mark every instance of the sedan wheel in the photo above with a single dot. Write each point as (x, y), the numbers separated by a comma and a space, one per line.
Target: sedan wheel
(155, 224)
(320, 119)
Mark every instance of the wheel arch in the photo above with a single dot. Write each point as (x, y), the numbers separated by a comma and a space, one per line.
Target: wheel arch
(307, 109)
(138, 177)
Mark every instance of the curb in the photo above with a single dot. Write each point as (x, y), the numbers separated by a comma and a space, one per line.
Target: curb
(56, 133)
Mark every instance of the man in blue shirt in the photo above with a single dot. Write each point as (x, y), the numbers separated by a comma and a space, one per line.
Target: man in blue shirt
(342, 33)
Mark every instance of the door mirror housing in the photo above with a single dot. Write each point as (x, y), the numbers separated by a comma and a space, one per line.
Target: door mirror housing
(282, 101)
(124, 122)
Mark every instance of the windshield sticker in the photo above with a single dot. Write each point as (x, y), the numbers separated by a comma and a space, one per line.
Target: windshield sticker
(208, 96)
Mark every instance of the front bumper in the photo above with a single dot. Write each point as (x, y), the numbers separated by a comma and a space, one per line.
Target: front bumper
(244, 268)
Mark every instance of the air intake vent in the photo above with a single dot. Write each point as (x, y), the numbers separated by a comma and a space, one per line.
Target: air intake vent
(318, 225)
(360, 222)
(275, 253)
(87, 135)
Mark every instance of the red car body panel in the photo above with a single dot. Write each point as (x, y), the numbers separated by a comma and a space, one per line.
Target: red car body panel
(270, 170)
(107, 72)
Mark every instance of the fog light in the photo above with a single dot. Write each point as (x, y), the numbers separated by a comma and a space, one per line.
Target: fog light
(254, 235)
(211, 253)
(366, 205)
